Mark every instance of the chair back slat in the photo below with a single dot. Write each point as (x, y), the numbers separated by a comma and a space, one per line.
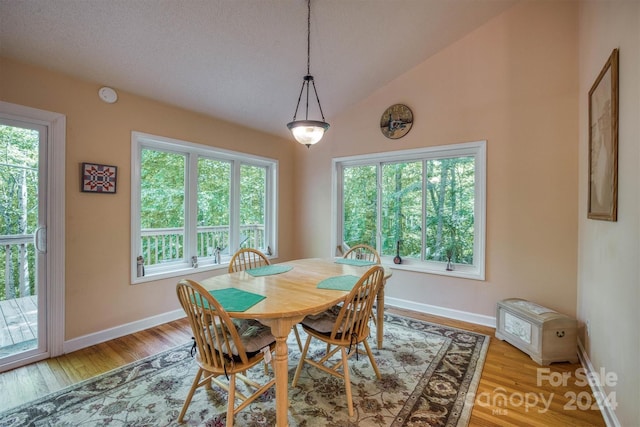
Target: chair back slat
(364, 253)
(213, 330)
(352, 322)
(246, 259)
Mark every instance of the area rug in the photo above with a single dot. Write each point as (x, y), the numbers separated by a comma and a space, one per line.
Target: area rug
(428, 370)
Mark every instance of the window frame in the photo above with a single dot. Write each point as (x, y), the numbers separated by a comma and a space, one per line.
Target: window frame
(475, 149)
(192, 152)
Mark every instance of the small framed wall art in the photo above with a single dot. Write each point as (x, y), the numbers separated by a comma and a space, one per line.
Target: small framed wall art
(396, 121)
(603, 143)
(98, 178)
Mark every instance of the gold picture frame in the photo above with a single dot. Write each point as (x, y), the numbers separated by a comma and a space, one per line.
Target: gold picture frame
(603, 143)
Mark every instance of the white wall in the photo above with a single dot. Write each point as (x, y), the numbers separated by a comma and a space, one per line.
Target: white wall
(609, 252)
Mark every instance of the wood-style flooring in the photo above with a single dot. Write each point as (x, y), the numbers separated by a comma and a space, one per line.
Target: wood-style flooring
(513, 390)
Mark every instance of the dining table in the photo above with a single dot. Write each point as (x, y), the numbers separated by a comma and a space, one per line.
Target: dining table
(289, 291)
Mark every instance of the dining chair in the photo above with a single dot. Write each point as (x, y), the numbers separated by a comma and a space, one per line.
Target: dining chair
(226, 347)
(248, 258)
(343, 328)
(364, 253)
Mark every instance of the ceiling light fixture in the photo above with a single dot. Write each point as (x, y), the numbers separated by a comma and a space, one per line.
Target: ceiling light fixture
(308, 132)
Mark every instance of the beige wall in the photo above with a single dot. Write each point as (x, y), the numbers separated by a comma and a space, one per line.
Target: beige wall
(98, 294)
(609, 254)
(513, 83)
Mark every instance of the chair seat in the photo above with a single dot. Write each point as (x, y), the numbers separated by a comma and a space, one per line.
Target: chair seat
(253, 335)
(322, 322)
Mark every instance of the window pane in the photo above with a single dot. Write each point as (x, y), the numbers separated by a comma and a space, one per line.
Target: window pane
(359, 205)
(402, 209)
(253, 192)
(450, 209)
(214, 187)
(162, 189)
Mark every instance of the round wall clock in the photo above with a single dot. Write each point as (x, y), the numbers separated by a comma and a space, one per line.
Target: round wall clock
(396, 121)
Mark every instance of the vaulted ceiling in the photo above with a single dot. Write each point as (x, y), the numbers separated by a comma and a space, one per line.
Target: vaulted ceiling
(238, 60)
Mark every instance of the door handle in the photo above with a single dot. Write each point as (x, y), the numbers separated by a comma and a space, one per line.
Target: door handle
(40, 240)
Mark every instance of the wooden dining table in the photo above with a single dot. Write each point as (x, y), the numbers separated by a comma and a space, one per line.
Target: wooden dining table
(290, 296)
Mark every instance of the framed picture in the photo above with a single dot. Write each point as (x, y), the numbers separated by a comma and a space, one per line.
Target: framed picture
(98, 178)
(603, 143)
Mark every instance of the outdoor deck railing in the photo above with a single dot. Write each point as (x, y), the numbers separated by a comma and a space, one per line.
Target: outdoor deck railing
(17, 252)
(167, 244)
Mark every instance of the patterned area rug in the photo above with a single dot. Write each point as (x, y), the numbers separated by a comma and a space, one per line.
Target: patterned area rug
(427, 372)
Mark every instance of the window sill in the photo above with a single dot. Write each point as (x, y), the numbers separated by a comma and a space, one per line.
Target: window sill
(178, 273)
(462, 272)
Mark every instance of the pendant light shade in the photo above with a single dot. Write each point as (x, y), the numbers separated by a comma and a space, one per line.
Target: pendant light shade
(308, 132)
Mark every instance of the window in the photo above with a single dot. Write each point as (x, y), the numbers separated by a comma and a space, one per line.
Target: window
(431, 201)
(193, 206)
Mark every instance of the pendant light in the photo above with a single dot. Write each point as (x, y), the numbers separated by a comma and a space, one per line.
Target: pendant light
(308, 132)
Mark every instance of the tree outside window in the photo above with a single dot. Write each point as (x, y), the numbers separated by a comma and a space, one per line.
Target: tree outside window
(428, 202)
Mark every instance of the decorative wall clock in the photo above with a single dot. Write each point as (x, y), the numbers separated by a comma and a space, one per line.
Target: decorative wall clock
(396, 121)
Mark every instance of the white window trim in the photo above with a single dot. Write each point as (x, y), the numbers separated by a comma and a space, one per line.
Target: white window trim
(477, 149)
(140, 140)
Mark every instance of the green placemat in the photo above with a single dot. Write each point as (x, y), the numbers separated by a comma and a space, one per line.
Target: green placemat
(268, 270)
(351, 261)
(232, 299)
(339, 283)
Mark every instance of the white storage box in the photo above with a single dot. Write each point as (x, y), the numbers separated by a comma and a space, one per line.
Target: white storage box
(545, 335)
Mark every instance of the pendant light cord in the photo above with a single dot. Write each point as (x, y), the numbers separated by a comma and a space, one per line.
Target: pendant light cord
(308, 36)
(308, 79)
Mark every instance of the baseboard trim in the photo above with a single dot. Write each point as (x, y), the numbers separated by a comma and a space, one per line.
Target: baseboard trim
(149, 322)
(465, 316)
(599, 393)
(120, 331)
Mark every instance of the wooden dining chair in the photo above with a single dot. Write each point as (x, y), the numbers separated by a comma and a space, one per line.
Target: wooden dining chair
(364, 253)
(248, 258)
(343, 328)
(226, 347)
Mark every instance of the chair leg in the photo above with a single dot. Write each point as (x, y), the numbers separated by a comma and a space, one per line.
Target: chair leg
(302, 358)
(187, 401)
(231, 402)
(347, 380)
(295, 331)
(373, 361)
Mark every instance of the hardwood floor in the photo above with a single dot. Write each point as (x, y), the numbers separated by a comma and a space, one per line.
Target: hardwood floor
(513, 390)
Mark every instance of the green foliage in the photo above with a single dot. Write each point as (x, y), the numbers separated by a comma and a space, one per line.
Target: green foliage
(402, 209)
(446, 195)
(19, 151)
(450, 209)
(163, 181)
(162, 189)
(253, 184)
(214, 179)
(360, 205)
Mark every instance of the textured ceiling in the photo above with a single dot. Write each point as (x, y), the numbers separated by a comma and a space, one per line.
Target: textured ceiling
(239, 60)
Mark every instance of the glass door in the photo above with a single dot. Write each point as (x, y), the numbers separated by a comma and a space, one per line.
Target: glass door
(23, 329)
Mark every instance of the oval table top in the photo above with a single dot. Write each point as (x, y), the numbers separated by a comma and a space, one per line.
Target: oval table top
(293, 293)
